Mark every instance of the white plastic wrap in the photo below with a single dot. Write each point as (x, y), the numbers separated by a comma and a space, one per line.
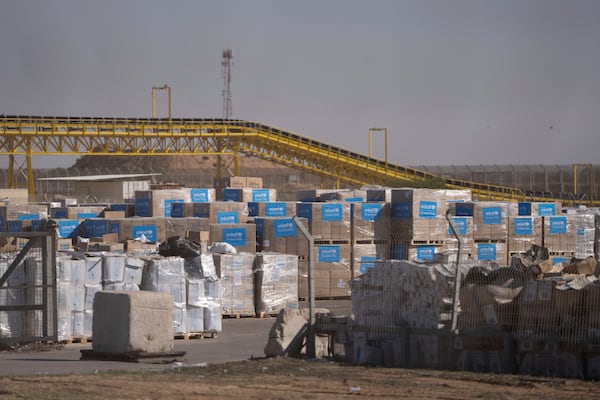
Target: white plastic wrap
(90, 292)
(78, 272)
(113, 267)
(93, 267)
(77, 324)
(212, 317)
(195, 319)
(133, 270)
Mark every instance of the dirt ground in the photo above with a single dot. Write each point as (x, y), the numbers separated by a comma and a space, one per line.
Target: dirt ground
(291, 379)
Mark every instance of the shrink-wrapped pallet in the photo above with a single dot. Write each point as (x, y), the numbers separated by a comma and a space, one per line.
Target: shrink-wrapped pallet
(237, 282)
(370, 222)
(241, 236)
(418, 216)
(276, 282)
(157, 203)
(326, 221)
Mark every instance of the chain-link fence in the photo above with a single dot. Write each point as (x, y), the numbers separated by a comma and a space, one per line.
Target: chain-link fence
(568, 182)
(28, 295)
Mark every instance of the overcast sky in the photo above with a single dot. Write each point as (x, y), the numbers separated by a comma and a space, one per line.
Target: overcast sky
(454, 81)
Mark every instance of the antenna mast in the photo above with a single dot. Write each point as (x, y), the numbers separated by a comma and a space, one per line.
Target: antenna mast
(226, 71)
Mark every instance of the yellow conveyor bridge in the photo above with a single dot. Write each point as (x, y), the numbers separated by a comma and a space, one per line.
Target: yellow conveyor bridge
(38, 135)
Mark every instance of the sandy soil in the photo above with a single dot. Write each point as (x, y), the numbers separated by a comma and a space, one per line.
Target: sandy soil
(291, 379)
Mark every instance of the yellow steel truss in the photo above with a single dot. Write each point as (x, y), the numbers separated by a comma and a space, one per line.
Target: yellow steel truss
(29, 136)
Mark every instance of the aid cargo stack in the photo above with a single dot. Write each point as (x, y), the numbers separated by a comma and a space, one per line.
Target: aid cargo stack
(237, 283)
(216, 212)
(370, 234)
(399, 293)
(490, 228)
(329, 224)
(462, 221)
(418, 223)
(525, 225)
(276, 282)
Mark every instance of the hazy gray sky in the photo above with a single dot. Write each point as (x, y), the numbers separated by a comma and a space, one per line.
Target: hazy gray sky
(453, 81)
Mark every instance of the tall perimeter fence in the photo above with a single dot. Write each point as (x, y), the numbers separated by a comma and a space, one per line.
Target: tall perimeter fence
(435, 279)
(577, 182)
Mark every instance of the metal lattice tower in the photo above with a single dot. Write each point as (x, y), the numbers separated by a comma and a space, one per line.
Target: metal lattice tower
(226, 71)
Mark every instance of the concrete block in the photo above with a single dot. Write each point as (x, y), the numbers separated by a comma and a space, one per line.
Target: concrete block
(133, 322)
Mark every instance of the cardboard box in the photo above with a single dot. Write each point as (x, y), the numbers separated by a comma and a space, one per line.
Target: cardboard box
(157, 203)
(370, 221)
(326, 221)
(110, 238)
(64, 244)
(109, 247)
(237, 282)
(198, 236)
(114, 214)
(490, 220)
(137, 246)
(338, 282)
(153, 229)
(83, 212)
(240, 236)
(418, 215)
(246, 195)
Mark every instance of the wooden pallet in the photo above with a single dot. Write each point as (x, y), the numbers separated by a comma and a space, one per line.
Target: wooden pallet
(492, 241)
(371, 241)
(427, 242)
(239, 315)
(326, 298)
(82, 340)
(195, 335)
(330, 242)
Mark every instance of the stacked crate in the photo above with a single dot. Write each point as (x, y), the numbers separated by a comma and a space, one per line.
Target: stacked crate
(328, 221)
(560, 235)
(83, 212)
(551, 329)
(22, 287)
(203, 307)
(167, 275)
(151, 229)
(281, 235)
(237, 283)
(418, 223)
(181, 226)
(241, 236)
(351, 196)
(401, 293)
(490, 230)
(276, 282)
(525, 224)
(329, 225)
(220, 184)
(157, 202)
(218, 212)
(316, 195)
(246, 195)
(585, 233)
(272, 209)
(370, 234)
(464, 227)
(19, 218)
